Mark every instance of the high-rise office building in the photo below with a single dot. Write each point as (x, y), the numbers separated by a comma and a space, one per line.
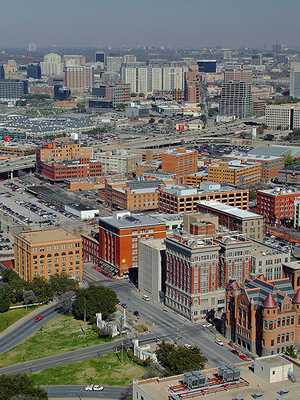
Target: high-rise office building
(173, 77)
(78, 78)
(113, 64)
(192, 88)
(100, 57)
(207, 66)
(295, 80)
(52, 65)
(236, 99)
(13, 89)
(238, 73)
(2, 72)
(74, 59)
(137, 76)
(129, 58)
(34, 71)
(10, 69)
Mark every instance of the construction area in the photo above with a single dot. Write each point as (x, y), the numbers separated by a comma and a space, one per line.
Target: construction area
(268, 378)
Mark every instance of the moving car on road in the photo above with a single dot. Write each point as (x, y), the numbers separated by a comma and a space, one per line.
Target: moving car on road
(94, 388)
(39, 318)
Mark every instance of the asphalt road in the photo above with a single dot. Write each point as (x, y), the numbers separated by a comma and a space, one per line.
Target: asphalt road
(70, 356)
(79, 392)
(29, 327)
(168, 323)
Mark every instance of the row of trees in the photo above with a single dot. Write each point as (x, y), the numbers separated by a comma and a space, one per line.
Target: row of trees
(15, 290)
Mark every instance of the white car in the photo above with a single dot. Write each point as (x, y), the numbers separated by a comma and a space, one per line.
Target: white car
(219, 342)
(208, 325)
(96, 388)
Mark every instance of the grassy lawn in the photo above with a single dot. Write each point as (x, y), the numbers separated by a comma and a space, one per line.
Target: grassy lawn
(61, 334)
(10, 317)
(106, 370)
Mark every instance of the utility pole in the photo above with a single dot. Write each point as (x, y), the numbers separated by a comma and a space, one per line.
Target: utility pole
(84, 313)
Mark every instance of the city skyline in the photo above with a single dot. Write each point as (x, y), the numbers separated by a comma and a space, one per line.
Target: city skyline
(134, 23)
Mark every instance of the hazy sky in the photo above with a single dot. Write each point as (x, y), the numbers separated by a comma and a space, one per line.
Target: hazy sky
(186, 23)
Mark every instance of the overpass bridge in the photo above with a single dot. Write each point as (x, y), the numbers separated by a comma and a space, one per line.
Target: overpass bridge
(18, 164)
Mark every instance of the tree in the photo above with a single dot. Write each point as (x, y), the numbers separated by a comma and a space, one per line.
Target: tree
(151, 120)
(60, 284)
(4, 298)
(29, 297)
(291, 351)
(41, 289)
(94, 300)
(289, 160)
(15, 284)
(66, 301)
(20, 387)
(179, 359)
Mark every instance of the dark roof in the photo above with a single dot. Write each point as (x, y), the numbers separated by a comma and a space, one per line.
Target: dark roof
(259, 290)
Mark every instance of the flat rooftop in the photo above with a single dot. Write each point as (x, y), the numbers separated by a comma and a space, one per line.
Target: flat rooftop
(158, 389)
(127, 220)
(206, 187)
(158, 244)
(233, 211)
(263, 249)
(168, 217)
(252, 157)
(293, 265)
(48, 235)
(274, 361)
(281, 191)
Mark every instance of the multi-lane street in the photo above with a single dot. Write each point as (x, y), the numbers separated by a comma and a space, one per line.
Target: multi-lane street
(70, 357)
(167, 323)
(24, 330)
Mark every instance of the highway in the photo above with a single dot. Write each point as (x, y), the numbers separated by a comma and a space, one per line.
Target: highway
(167, 323)
(11, 339)
(70, 357)
(79, 392)
(25, 162)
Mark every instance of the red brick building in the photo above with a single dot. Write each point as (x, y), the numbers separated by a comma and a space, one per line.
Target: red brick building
(119, 238)
(276, 205)
(179, 161)
(263, 317)
(67, 160)
(90, 249)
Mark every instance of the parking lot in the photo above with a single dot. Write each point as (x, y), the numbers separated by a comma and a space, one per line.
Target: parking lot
(24, 209)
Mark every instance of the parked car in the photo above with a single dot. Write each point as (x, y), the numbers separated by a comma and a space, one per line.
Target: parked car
(219, 342)
(244, 357)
